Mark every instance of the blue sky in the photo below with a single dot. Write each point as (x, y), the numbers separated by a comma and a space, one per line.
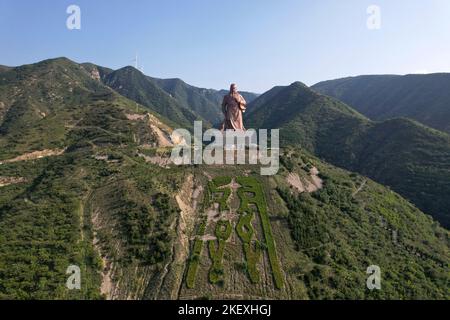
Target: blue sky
(255, 43)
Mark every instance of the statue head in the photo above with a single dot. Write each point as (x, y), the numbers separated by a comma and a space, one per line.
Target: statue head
(233, 88)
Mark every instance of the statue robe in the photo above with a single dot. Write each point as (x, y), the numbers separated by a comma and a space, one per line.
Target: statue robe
(232, 107)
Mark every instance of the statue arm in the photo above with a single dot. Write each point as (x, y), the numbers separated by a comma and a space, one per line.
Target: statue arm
(242, 102)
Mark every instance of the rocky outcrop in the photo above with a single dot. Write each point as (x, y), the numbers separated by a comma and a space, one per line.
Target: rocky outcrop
(95, 74)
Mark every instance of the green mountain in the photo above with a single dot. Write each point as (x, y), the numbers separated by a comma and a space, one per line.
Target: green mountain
(205, 102)
(95, 70)
(425, 98)
(400, 153)
(58, 123)
(248, 96)
(262, 99)
(173, 98)
(85, 182)
(47, 106)
(134, 85)
(40, 103)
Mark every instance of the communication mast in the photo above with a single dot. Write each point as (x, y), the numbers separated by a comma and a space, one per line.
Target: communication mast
(136, 63)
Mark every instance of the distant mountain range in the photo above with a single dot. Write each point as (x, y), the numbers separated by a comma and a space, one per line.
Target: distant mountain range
(205, 102)
(425, 98)
(134, 85)
(400, 153)
(173, 98)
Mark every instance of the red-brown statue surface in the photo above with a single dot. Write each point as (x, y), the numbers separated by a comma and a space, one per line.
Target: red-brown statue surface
(233, 107)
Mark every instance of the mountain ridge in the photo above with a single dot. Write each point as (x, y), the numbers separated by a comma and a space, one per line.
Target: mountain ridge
(183, 102)
(425, 98)
(401, 153)
(206, 102)
(134, 85)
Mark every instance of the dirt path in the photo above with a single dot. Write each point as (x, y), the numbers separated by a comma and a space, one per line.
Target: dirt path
(35, 155)
(163, 162)
(6, 181)
(359, 189)
(135, 117)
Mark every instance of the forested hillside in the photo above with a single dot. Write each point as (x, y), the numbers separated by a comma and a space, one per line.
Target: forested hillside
(85, 181)
(400, 153)
(422, 97)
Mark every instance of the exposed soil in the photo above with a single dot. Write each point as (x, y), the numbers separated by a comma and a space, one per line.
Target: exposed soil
(309, 184)
(294, 180)
(359, 189)
(163, 162)
(35, 155)
(106, 287)
(6, 181)
(135, 117)
(187, 202)
(314, 174)
(162, 138)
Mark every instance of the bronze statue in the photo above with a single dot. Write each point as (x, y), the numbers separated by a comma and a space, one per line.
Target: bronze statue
(233, 107)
